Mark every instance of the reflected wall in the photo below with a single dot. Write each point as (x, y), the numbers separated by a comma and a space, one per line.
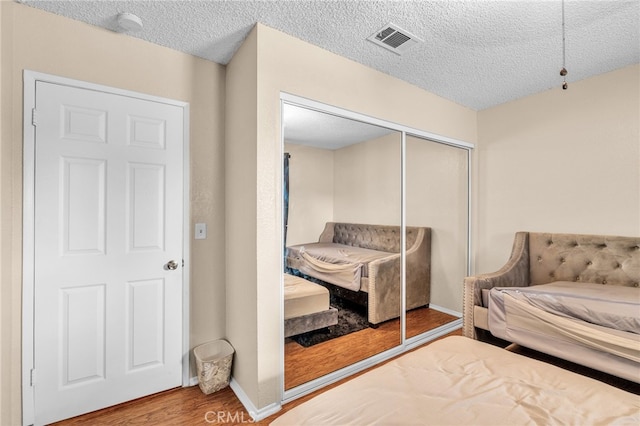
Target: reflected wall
(437, 196)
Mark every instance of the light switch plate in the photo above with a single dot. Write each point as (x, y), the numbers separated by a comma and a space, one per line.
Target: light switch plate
(201, 231)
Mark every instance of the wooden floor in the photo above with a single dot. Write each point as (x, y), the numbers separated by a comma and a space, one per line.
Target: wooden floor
(305, 364)
(189, 406)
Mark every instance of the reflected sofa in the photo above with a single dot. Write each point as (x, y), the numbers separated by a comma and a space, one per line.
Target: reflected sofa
(361, 262)
(573, 296)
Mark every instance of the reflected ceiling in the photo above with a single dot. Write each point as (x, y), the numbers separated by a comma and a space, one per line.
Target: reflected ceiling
(321, 130)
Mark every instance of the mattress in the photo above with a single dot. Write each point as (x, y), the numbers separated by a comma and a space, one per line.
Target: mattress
(338, 264)
(460, 381)
(590, 324)
(302, 297)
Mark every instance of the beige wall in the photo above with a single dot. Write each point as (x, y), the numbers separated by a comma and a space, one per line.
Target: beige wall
(9, 377)
(310, 192)
(436, 196)
(367, 182)
(290, 65)
(242, 222)
(43, 42)
(560, 161)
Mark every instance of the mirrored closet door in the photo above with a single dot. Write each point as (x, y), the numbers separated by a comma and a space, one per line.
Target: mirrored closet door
(342, 215)
(437, 199)
(350, 188)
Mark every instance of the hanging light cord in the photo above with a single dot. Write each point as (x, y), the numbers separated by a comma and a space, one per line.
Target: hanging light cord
(563, 71)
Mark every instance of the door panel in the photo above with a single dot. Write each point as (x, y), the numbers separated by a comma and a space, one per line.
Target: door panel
(83, 194)
(146, 207)
(108, 218)
(83, 334)
(145, 323)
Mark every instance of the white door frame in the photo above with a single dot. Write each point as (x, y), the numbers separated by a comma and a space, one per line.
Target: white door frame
(28, 225)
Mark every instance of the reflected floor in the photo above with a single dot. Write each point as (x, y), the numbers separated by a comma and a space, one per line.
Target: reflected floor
(305, 364)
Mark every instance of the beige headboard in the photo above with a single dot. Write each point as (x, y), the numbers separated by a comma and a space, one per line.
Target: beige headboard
(589, 258)
(374, 237)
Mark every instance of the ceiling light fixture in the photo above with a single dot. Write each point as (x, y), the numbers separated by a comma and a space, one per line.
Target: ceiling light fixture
(563, 71)
(129, 22)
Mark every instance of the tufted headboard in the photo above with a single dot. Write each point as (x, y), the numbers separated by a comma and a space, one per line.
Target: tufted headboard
(374, 237)
(587, 258)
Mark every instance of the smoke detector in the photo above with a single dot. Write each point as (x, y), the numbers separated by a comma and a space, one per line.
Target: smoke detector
(129, 22)
(394, 38)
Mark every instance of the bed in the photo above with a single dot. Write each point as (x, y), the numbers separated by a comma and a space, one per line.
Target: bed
(306, 306)
(552, 318)
(573, 296)
(460, 381)
(361, 263)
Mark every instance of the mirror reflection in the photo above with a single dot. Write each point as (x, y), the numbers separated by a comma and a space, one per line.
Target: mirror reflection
(342, 209)
(342, 205)
(437, 197)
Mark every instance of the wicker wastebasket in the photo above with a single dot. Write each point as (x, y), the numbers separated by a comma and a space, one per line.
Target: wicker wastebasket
(213, 362)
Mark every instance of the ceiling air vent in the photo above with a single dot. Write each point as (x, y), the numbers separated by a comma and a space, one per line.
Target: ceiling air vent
(394, 38)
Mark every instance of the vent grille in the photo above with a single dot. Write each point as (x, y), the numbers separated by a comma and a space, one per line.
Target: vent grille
(394, 38)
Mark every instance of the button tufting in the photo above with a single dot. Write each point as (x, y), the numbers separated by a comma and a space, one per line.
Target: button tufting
(604, 281)
(562, 260)
(589, 263)
(578, 278)
(549, 242)
(636, 284)
(539, 258)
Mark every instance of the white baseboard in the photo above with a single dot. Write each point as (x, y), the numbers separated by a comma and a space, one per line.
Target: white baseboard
(255, 413)
(445, 310)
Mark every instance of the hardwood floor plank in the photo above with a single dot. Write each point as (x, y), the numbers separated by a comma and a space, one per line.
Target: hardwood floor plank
(305, 364)
(180, 406)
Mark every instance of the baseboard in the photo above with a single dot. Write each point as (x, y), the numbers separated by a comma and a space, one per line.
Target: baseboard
(445, 310)
(193, 381)
(255, 413)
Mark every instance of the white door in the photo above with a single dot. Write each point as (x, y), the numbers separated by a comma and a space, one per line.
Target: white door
(108, 249)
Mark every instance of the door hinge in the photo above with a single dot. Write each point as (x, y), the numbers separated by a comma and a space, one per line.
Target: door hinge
(33, 376)
(34, 117)
(183, 263)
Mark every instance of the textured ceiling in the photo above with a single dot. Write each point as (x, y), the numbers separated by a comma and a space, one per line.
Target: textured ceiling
(478, 53)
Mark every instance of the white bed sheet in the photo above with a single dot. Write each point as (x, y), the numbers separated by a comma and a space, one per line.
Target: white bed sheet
(574, 322)
(302, 297)
(337, 264)
(460, 381)
(611, 306)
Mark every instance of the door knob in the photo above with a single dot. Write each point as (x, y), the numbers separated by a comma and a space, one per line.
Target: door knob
(172, 265)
